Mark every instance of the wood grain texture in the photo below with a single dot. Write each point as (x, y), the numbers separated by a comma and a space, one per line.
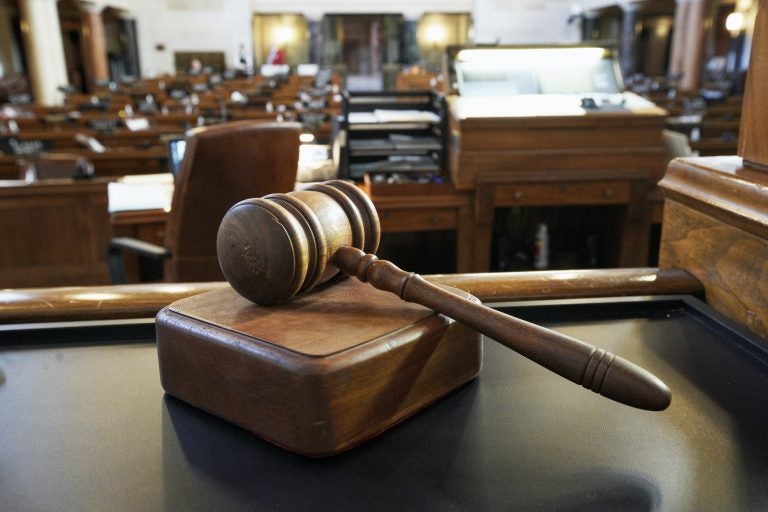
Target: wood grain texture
(722, 188)
(271, 248)
(344, 371)
(563, 284)
(145, 300)
(730, 262)
(575, 360)
(482, 143)
(337, 317)
(223, 164)
(75, 303)
(56, 233)
(628, 187)
(754, 128)
(397, 214)
(716, 227)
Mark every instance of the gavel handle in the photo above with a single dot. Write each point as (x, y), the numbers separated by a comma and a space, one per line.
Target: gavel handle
(579, 362)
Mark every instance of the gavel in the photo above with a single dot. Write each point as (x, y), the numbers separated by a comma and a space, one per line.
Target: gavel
(273, 248)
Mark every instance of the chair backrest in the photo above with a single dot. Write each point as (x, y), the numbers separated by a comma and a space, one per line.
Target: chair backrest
(223, 164)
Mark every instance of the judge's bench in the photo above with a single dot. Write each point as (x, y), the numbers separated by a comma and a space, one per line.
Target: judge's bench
(86, 423)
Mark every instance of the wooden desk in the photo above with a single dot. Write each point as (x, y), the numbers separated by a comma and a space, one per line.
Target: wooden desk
(558, 154)
(118, 138)
(146, 225)
(447, 211)
(526, 133)
(55, 233)
(628, 231)
(113, 163)
(714, 146)
(443, 211)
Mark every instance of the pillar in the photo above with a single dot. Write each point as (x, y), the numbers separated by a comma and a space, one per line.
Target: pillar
(9, 61)
(688, 43)
(45, 53)
(94, 46)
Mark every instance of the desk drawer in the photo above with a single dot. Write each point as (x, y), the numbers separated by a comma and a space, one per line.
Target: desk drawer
(594, 192)
(418, 219)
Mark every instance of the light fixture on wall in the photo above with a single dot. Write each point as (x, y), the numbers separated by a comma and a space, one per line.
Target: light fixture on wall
(435, 34)
(735, 26)
(283, 34)
(529, 57)
(734, 23)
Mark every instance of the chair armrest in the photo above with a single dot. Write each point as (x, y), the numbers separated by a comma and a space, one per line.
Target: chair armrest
(120, 245)
(140, 247)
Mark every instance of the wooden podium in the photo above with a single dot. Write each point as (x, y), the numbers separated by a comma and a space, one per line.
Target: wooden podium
(716, 227)
(715, 215)
(317, 375)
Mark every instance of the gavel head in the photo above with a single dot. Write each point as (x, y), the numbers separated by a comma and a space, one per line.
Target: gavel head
(277, 246)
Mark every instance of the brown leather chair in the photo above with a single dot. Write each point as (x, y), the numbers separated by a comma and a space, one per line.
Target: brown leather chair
(222, 164)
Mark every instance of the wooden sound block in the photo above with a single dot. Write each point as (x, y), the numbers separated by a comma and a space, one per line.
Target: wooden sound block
(317, 375)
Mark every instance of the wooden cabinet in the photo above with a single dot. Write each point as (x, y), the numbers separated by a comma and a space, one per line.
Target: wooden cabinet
(564, 192)
(448, 211)
(623, 228)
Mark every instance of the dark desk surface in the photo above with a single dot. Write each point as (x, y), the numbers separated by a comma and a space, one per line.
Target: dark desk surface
(85, 426)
